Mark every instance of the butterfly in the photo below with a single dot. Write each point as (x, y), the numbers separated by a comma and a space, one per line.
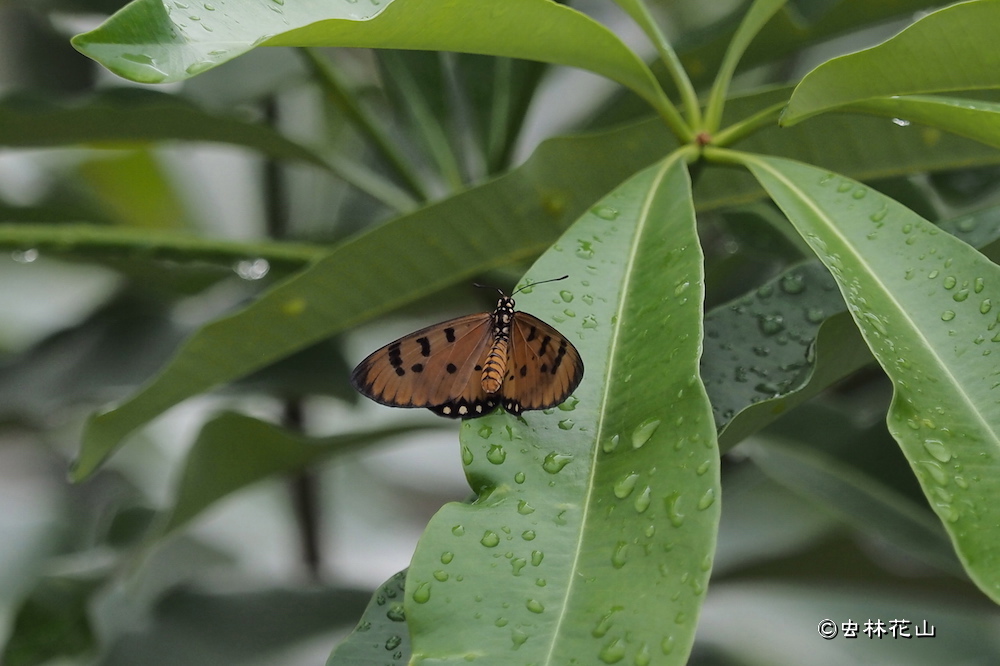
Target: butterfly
(464, 367)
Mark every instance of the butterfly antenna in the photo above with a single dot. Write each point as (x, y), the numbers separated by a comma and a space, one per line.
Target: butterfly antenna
(532, 284)
(489, 286)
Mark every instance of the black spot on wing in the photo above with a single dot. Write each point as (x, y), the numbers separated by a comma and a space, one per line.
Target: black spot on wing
(449, 334)
(417, 367)
(545, 345)
(425, 346)
(451, 368)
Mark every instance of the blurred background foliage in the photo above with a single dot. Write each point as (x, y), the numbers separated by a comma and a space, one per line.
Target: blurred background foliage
(135, 566)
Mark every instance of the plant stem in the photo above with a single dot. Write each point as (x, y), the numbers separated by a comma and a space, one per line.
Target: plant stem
(744, 128)
(336, 88)
(689, 98)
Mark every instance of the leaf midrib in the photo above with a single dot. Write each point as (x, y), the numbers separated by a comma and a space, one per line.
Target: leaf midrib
(605, 397)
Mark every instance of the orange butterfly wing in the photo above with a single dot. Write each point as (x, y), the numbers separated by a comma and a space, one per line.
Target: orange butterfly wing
(438, 367)
(543, 367)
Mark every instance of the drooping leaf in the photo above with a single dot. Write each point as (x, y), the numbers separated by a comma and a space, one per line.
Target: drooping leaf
(975, 119)
(233, 451)
(148, 42)
(948, 50)
(601, 513)
(923, 301)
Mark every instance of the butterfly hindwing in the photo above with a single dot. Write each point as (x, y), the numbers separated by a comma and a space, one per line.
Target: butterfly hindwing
(543, 367)
(438, 367)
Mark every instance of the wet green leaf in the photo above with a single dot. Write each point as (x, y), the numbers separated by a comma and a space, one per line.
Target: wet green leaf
(924, 302)
(148, 42)
(601, 513)
(947, 50)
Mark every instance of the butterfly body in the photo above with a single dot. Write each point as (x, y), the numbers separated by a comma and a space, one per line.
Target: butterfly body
(465, 367)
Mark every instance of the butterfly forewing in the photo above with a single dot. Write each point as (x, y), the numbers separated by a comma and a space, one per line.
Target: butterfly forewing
(543, 366)
(438, 367)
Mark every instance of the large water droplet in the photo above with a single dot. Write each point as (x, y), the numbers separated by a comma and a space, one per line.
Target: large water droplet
(536, 557)
(519, 477)
(524, 508)
(467, 455)
(422, 594)
(937, 449)
(518, 637)
(447, 556)
(535, 606)
(707, 499)
(516, 564)
(643, 432)
(485, 431)
(605, 622)
(554, 462)
(610, 444)
(606, 212)
(458, 530)
(566, 424)
(623, 488)
(496, 454)
(674, 513)
(612, 652)
(490, 539)
(643, 500)
(792, 283)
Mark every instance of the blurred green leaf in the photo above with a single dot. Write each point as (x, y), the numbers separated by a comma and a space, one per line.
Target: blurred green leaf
(53, 623)
(201, 628)
(947, 50)
(922, 299)
(857, 499)
(607, 504)
(124, 116)
(233, 451)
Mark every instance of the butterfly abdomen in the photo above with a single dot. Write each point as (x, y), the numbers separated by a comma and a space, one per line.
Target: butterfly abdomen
(496, 365)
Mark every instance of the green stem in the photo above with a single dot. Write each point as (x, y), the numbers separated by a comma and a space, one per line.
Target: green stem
(739, 131)
(337, 89)
(689, 98)
(753, 22)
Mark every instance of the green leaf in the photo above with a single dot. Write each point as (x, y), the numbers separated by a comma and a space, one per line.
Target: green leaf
(973, 119)
(950, 49)
(786, 341)
(601, 513)
(862, 147)
(197, 628)
(124, 116)
(923, 301)
(381, 633)
(760, 349)
(233, 451)
(401, 261)
(115, 244)
(857, 499)
(147, 42)
(53, 622)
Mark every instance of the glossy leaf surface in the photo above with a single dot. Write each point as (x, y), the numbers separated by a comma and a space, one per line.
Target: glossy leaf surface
(924, 303)
(950, 49)
(602, 513)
